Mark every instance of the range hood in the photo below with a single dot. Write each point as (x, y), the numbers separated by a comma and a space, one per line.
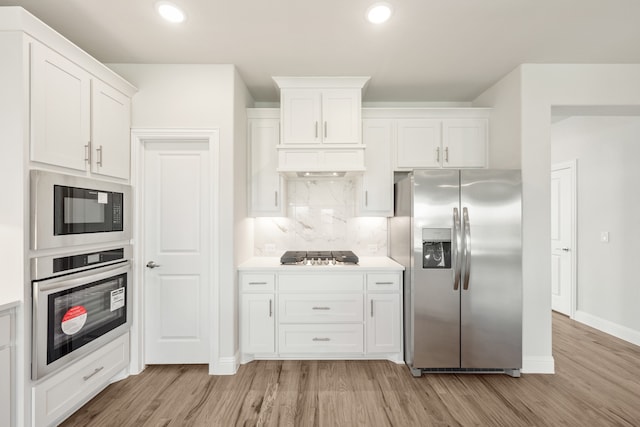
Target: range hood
(321, 126)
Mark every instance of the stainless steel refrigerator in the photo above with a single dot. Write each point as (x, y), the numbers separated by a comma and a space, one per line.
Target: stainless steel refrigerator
(458, 234)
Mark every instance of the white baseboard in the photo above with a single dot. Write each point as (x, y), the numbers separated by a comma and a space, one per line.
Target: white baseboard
(226, 365)
(611, 328)
(538, 365)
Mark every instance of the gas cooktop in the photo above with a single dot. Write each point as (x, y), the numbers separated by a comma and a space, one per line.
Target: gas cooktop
(318, 258)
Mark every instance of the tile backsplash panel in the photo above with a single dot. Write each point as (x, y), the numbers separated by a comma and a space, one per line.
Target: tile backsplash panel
(321, 215)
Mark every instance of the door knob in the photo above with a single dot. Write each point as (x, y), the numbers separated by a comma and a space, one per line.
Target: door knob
(152, 264)
(565, 249)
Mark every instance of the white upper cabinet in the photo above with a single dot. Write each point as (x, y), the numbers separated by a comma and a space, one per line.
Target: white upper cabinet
(60, 110)
(418, 144)
(436, 137)
(78, 121)
(376, 192)
(266, 193)
(317, 116)
(464, 143)
(111, 123)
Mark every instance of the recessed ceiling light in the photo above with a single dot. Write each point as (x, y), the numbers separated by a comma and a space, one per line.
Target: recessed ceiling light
(379, 13)
(170, 11)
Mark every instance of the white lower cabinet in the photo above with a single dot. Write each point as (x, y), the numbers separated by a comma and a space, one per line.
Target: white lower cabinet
(258, 323)
(317, 315)
(58, 396)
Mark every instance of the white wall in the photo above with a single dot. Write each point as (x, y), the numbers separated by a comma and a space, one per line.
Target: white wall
(607, 150)
(200, 97)
(540, 88)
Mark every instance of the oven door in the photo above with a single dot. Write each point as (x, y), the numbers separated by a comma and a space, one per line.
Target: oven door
(78, 313)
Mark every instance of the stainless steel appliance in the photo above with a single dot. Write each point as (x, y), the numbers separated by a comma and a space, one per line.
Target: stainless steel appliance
(81, 301)
(458, 234)
(68, 210)
(318, 258)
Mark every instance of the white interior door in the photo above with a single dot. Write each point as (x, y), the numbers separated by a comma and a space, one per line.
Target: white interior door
(562, 230)
(177, 252)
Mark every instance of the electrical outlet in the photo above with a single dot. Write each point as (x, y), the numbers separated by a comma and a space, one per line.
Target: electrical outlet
(604, 236)
(269, 248)
(372, 248)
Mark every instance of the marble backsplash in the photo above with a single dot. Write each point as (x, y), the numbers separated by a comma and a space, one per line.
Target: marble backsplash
(321, 215)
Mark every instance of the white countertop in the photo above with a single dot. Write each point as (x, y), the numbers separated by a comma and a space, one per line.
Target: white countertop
(365, 263)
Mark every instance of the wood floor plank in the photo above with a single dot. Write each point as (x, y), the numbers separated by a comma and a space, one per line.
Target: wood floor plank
(596, 384)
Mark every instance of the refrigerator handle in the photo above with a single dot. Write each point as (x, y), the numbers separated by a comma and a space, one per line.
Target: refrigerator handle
(457, 241)
(467, 247)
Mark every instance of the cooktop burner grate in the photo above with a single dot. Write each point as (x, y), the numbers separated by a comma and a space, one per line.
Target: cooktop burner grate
(318, 257)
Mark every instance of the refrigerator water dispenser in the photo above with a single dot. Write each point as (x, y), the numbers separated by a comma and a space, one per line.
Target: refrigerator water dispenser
(436, 248)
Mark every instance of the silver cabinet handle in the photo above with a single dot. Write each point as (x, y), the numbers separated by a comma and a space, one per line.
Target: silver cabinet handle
(385, 283)
(321, 308)
(321, 339)
(99, 151)
(316, 130)
(371, 308)
(87, 152)
(366, 197)
(446, 154)
(325, 129)
(152, 264)
(276, 199)
(257, 283)
(87, 377)
(438, 154)
(270, 308)
(467, 247)
(458, 243)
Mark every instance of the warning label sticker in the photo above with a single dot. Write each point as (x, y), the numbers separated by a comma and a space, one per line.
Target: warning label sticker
(74, 319)
(117, 299)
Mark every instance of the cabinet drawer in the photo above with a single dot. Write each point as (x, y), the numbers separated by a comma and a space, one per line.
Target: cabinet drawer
(320, 308)
(57, 396)
(320, 282)
(257, 282)
(5, 330)
(321, 338)
(383, 282)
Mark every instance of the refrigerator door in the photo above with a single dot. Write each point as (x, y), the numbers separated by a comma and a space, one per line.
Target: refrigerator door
(491, 299)
(435, 301)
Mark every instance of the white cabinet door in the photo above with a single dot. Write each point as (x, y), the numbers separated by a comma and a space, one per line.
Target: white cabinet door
(418, 144)
(464, 143)
(301, 116)
(266, 184)
(376, 198)
(111, 119)
(60, 110)
(341, 116)
(258, 323)
(383, 323)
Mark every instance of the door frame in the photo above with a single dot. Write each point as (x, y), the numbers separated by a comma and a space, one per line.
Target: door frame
(140, 136)
(572, 165)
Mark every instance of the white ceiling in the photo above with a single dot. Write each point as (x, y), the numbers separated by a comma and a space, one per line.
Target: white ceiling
(430, 51)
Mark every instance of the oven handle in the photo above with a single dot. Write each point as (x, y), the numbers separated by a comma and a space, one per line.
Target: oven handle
(62, 283)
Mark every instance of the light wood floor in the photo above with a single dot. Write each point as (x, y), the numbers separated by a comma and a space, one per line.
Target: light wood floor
(597, 383)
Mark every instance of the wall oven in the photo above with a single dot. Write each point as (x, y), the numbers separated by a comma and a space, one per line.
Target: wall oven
(68, 210)
(81, 301)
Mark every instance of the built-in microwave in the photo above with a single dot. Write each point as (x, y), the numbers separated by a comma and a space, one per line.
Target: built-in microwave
(68, 210)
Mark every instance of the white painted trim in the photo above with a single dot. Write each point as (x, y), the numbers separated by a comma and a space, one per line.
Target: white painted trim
(609, 327)
(350, 82)
(572, 165)
(226, 365)
(138, 138)
(538, 365)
